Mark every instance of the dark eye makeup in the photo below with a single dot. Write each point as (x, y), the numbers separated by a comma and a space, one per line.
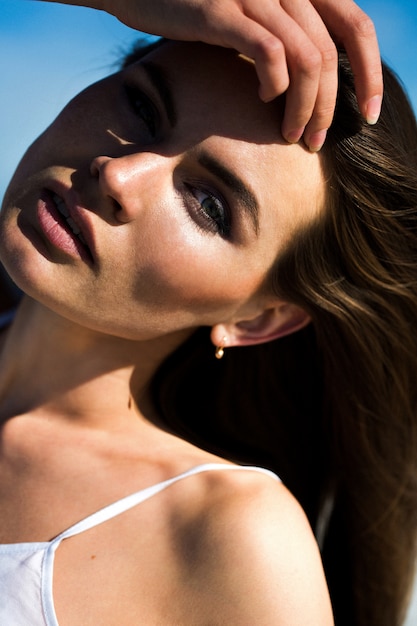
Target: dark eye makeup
(143, 107)
(209, 210)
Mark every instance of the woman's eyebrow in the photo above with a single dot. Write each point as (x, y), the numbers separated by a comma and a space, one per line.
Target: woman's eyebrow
(244, 195)
(160, 82)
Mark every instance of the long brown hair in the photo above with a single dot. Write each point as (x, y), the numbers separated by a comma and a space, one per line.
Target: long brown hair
(333, 409)
(356, 273)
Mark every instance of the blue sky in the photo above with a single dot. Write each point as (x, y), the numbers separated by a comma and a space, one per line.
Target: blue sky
(48, 52)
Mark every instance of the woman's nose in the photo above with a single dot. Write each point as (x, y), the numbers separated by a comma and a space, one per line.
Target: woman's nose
(127, 181)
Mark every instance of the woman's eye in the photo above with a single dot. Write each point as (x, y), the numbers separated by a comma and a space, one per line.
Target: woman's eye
(142, 107)
(213, 211)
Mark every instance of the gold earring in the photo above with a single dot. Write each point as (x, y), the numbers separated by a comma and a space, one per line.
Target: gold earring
(220, 349)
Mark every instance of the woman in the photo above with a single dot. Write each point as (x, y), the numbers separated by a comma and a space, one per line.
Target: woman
(137, 235)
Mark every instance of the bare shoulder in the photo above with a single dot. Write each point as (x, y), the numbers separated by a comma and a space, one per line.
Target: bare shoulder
(254, 555)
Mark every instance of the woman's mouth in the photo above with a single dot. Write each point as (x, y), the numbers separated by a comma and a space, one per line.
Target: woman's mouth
(60, 228)
(60, 205)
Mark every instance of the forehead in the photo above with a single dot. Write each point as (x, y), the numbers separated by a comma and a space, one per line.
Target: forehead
(220, 87)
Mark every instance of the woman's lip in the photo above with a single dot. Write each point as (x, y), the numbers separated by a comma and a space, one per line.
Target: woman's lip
(57, 230)
(80, 215)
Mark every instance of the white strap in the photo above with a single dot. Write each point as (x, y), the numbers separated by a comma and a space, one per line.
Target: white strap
(114, 509)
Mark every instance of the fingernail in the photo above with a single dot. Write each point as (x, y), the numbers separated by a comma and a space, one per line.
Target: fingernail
(294, 136)
(373, 109)
(317, 140)
(266, 96)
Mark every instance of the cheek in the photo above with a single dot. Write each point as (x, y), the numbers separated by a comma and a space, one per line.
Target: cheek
(184, 269)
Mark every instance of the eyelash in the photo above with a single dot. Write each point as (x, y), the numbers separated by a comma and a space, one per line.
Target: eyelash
(217, 225)
(143, 107)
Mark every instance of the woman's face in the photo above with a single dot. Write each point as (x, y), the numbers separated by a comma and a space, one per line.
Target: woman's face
(183, 193)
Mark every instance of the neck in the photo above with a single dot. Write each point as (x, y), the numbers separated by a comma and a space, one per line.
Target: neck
(53, 367)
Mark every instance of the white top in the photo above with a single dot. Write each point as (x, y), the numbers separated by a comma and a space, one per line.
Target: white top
(27, 569)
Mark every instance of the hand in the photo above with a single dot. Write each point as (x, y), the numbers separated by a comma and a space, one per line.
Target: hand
(292, 42)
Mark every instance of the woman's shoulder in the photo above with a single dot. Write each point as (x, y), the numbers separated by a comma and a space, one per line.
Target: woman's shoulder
(250, 546)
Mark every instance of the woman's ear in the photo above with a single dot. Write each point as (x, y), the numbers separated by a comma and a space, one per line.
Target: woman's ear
(272, 323)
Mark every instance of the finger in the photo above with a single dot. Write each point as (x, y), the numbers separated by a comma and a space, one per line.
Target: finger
(267, 33)
(285, 58)
(316, 130)
(256, 42)
(298, 29)
(353, 29)
(322, 115)
(271, 67)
